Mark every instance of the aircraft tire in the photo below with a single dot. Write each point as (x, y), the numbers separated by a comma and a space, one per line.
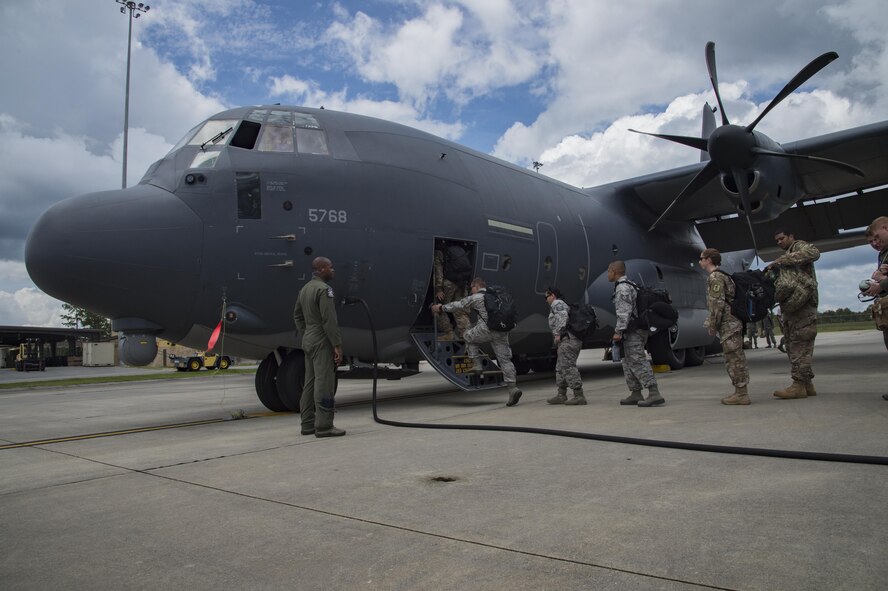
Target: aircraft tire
(266, 389)
(694, 356)
(662, 352)
(291, 376)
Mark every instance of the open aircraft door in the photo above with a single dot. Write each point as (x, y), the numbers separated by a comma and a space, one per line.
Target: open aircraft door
(448, 357)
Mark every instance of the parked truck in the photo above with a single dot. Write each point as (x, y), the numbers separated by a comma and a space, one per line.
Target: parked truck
(195, 362)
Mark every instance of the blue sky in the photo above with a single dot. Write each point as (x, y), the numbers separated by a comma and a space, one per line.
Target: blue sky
(557, 81)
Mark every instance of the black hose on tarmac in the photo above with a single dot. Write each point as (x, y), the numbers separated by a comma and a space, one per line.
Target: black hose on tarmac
(723, 449)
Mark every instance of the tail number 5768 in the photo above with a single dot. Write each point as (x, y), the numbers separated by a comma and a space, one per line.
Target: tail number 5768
(333, 216)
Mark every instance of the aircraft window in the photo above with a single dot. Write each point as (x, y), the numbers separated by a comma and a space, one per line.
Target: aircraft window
(507, 262)
(246, 135)
(547, 264)
(305, 120)
(205, 159)
(582, 273)
(257, 115)
(279, 118)
(311, 141)
(276, 138)
(249, 196)
(212, 129)
(186, 138)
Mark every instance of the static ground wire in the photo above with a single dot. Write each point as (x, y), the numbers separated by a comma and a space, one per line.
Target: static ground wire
(721, 449)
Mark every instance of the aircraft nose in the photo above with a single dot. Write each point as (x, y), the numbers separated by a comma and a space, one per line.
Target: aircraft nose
(128, 253)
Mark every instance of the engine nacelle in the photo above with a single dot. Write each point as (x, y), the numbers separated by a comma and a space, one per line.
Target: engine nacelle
(772, 188)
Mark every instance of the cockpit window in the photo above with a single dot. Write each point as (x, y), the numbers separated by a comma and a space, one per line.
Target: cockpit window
(311, 141)
(205, 159)
(276, 138)
(279, 118)
(305, 120)
(185, 138)
(214, 132)
(257, 115)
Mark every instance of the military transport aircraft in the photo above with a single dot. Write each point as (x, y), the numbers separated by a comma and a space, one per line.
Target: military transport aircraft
(227, 224)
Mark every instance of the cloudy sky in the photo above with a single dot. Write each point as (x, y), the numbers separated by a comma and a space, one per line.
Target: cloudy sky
(557, 81)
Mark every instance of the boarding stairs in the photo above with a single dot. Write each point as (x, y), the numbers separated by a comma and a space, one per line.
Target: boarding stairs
(450, 360)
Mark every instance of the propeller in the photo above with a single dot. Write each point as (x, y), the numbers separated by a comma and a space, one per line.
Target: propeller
(732, 149)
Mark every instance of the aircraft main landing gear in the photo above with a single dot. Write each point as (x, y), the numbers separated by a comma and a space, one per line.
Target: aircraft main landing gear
(266, 384)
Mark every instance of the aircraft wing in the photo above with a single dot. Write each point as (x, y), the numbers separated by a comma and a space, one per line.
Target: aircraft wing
(830, 207)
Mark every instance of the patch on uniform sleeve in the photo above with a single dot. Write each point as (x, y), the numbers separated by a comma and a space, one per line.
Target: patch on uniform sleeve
(330, 292)
(716, 287)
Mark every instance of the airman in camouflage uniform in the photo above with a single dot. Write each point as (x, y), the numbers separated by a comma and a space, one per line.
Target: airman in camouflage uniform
(877, 236)
(799, 325)
(480, 334)
(315, 317)
(568, 347)
(719, 293)
(636, 366)
(447, 291)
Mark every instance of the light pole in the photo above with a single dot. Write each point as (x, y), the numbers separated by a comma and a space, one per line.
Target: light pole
(135, 11)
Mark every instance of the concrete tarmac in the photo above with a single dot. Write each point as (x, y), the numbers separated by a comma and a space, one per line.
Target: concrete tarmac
(106, 502)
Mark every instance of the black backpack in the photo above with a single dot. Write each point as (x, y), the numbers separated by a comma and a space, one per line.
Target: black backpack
(754, 295)
(457, 266)
(653, 308)
(581, 320)
(501, 312)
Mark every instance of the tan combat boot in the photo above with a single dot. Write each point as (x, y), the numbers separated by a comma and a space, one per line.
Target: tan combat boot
(634, 398)
(559, 398)
(578, 398)
(740, 397)
(514, 395)
(796, 390)
(654, 398)
(809, 389)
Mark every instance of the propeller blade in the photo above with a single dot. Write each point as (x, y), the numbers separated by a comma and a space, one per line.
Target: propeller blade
(706, 174)
(836, 163)
(815, 66)
(707, 128)
(693, 142)
(740, 180)
(713, 78)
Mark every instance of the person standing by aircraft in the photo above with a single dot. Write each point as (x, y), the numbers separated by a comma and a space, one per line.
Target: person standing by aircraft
(753, 335)
(480, 334)
(636, 366)
(877, 235)
(452, 271)
(796, 268)
(568, 347)
(720, 291)
(768, 330)
(315, 317)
